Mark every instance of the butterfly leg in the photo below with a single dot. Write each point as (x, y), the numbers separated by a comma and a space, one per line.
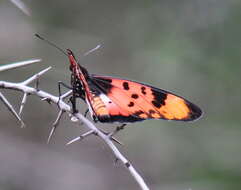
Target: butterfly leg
(118, 128)
(85, 115)
(72, 99)
(73, 102)
(86, 112)
(59, 88)
(63, 84)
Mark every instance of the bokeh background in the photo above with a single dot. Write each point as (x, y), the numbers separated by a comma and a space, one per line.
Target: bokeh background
(190, 47)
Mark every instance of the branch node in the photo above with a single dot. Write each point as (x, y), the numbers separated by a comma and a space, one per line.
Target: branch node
(47, 100)
(73, 118)
(110, 136)
(127, 164)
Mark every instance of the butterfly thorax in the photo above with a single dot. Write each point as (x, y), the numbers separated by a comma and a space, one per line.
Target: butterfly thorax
(79, 73)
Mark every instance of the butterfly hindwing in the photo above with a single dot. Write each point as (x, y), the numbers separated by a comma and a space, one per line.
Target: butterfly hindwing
(130, 101)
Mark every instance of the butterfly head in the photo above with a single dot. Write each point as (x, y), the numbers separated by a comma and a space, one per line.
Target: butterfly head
(70, 53)
(72, 60)
(74, 65)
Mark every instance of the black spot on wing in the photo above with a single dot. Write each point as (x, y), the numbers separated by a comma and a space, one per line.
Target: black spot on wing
(126, 85)
(131, 104)
(138, 113)
(135, 96)
(151, 111)
(159, 98)
(143, 90)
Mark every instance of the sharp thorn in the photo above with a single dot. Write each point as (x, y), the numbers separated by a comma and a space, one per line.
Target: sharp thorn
(116, 140)
(51, 134)
(81, 137)
(74, 140)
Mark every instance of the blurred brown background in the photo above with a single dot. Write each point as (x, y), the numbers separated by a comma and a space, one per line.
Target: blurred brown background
(192, 48)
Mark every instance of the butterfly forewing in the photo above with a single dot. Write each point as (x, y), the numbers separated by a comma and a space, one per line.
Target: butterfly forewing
(130, 101)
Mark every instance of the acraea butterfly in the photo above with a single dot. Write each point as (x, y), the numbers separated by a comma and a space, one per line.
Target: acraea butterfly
(112, 99)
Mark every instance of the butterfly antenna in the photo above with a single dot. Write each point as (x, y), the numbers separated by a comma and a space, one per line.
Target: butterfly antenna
(92, 50)
(51, 44)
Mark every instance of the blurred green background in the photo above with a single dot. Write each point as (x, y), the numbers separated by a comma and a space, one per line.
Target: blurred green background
(190, 47)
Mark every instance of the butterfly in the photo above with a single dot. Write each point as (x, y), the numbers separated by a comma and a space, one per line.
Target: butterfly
(112, 99)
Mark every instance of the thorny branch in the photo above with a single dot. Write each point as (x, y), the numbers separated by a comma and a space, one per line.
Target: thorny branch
(27, 90)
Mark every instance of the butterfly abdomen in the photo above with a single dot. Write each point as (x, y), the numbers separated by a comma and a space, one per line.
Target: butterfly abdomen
(99, 106)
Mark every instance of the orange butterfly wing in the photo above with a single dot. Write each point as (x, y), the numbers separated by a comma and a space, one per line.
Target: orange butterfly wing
(130, 101)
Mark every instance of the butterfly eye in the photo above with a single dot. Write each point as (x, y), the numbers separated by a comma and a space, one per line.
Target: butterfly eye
(69, 52)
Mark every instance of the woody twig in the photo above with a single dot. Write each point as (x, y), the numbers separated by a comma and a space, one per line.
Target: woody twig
(64, 107)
